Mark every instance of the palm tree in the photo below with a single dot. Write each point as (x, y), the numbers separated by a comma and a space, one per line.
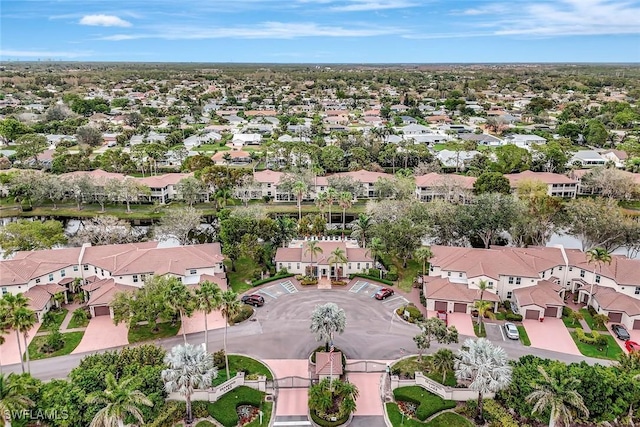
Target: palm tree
(322, 201)
(338, 256)
(485, 309)
(10, 304)
(180, 299)
(119, 400)
(486, 366)
(558, 395)
(376, 248)
(322, 396)
(423, 254)
(229, 306)
(332, 196)
(221, 197)
(299, 189)
(313, 249)
(326, 320)
(285, 230)
(345, 201)
(207, 299)
(190, 368)
(227, 160)
(597, 257)
(23, 320)
(443, 361)
(361, 228)
(13, 397)
(483, 285)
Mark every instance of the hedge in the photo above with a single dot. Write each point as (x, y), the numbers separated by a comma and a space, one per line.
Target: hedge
(364, 276)
(174, 411)
(513, 317)
(324, 423)
(414, 313)
(429, 403)
(224, 409)
(594, 339)
(271, 279)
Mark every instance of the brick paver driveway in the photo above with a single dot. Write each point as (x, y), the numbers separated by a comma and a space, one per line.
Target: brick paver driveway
(462, 322)
(9, 353)
(291, 401)
(634, 334)
(368, 402)
(195, 323)
(550, 335)
(102, 333)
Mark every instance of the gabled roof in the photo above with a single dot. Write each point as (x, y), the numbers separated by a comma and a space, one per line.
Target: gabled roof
(435, 180)
(40, 295)
(268, 176)
(440, 288)
(301, 254)
(611, 300)
(546, 177)
(544, 294)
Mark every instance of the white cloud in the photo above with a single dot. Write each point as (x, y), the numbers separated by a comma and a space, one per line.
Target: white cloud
(265, 30)
(44, 54)
(367, 5)
(104, 21)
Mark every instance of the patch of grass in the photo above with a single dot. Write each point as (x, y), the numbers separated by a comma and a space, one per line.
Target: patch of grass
(245, 270)
(449, 419)
(76, 323)
(480, 333)
(569, 322)
(213, 148)
(224, 409)
(429, 403)
(589, 319)
(411, 365)
(267, 408)
(248, 365)
(138, 333)
(500, 315)
(71, 341)
(611, 351)
(245, 312)
(524, 337)
(407, 275)
(205, 424)
(54, 320)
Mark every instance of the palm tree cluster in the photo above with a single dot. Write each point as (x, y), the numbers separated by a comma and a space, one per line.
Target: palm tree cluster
(16, 315)
(333, 398)
(119, 400)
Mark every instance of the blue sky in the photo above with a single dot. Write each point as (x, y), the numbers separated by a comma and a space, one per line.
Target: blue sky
(321, 31)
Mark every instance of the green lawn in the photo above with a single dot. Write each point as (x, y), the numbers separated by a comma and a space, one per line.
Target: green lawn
(524, 337)
(242, 364)
(57, 316)
(138, 333)
(75, 324)
(589, 319)
(479, 333)
(411, 365)
(205, 424)
(213, 148)
(429, 403)
(224, 409)
(407, 275)
(71, 341)
(245, 269)
(612, 351)
(447, 419)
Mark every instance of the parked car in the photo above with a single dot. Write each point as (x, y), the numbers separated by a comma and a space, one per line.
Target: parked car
(511, 331)
(621, 332)
(384, 293)
(253, 299)
(632, 346)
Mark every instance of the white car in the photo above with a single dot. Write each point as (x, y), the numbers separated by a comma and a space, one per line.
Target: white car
(512, 331)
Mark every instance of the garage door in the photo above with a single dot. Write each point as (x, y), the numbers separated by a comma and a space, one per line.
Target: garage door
(101, 311)
(532, 314)
(441, 306)
(636, 324)
(615, 317)
(459, 308)
(551, 312)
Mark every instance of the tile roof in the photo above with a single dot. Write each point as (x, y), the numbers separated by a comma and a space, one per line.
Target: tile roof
(268, 176)
(440, 288)
(301, 255)
(324, 365)
(434, 180)
(611, 300)
(544, 294)
(105, 294)
(546, 177)
(40, 295)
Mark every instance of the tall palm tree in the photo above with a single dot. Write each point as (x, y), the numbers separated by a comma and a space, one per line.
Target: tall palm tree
(285, 230)
(423, 254)
(338, 256)
(299, 189)
(23, 320)
(180, 299)
(485, 309)
(345, 201)
(119, 400)
(361, 228)
(376, 248)
(443, 361)
(483, 286)
(13, 397)
(189, 368)
(313, 249)
(229, 306)
(597, 257)
(326, 320)
(227, 160)
(221, 197)
(322, 201)
(332, 197)
(207, 299)
(486, 366)
(558, 395)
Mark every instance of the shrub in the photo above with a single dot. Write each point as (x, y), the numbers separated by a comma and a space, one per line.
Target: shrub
(507, 305)
(423, 299)
(373, 272)
(414, 313)
(594, 338)
(281, 275)
(428, 403)
(244, 313)
(54, 342)
(592, 311)
(338, 283)
(218, 359)
(391, 276)
(566, 311)
(376, 278)
(80, 316)
(513, 317)
(497, 415)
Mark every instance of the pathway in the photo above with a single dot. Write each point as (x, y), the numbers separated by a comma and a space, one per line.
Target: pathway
(290, 401)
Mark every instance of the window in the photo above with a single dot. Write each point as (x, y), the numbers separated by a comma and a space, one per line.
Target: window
(85, 267)
(95, 270)
(581, 273)
(637, 291)
(544, 273)
(597, 278)
(280, 265)
(135, 278)
(63, 273)
(489, 285)
(289, 266)
(518, 280)
(366, 266)
(51, 277)
(511, 280)
(298, 266)
(101, 272)
(193, 271)
(459, 274)
(358, 266)
(4, 291)
(509, 294)
(448, 273)
(560, 268)
(37, 280)
(143, 277)
(75, 268)
(551, 271)
(570, 268)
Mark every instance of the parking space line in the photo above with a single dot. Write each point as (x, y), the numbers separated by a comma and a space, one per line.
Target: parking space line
(361, 285)
(263, 291)
(394, 299)
(288, 286)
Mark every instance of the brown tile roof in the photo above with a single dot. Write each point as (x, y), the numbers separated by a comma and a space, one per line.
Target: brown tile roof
(301, 255)
(436, 180)
(268, 176)
(440, 288)
(622, 269)
(324, 366)
(220, 280)
(611, 300)
(106, 293)
(40, 295)
(543, 294)
(364, 176)
(161, 181)
(546, 177)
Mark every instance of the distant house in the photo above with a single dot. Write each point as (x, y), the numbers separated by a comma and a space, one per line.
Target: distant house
(450, 187)
(242, 139)
(524, 141)
(414, 129)
(238, 157)
(481, 139)
(456, 159)
(587, 158)
(618, 157)
(557, 184)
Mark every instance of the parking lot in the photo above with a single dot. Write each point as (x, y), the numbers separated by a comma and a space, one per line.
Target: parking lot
(277, 290)
(495, 332)
(364, 288)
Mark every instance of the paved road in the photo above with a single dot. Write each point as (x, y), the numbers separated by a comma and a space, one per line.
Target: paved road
(280, 330)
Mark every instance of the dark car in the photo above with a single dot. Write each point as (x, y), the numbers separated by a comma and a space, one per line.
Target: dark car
(632, 346)
(384, 293)
(621, 332)
(254, 300)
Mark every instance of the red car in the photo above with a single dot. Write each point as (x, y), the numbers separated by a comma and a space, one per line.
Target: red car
(632, 346)
(384, 293)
